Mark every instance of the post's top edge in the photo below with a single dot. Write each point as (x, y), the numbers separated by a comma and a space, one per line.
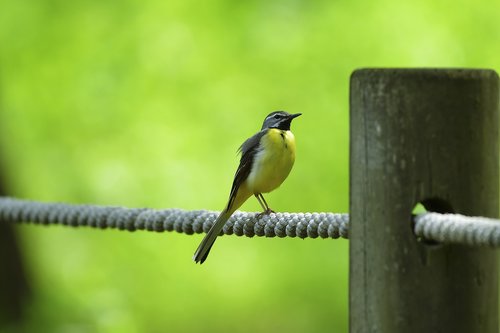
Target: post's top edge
(484, 73)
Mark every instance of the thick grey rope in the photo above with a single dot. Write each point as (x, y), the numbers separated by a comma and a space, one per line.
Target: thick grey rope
(459, 229)
(444, 228)
(313, 225)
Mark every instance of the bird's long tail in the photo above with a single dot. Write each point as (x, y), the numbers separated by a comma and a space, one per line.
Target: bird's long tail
(206, 244)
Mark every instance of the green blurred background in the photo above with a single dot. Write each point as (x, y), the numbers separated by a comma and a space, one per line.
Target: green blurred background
(144, 103)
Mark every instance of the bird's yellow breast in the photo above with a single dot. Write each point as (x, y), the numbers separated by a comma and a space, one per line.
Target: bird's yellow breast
(273, 161)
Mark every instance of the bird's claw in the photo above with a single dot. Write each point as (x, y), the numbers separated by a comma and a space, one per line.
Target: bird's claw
(266, 212)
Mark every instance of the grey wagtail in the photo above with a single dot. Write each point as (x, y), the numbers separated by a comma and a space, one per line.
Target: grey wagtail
(266, 160)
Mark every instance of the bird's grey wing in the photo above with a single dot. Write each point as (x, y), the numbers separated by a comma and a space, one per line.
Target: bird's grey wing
(248, 150)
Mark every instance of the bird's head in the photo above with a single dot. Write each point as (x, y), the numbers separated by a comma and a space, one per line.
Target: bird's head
(279, 119)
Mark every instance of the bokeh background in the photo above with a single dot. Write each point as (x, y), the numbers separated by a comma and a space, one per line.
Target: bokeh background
(144, 103)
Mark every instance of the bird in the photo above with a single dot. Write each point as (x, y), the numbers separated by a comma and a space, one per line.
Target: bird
(266, 160)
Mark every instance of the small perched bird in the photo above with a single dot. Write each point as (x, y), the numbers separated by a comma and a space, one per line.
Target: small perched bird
(266, 160)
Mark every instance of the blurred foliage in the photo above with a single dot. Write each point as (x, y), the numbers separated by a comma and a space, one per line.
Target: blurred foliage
(144, 103)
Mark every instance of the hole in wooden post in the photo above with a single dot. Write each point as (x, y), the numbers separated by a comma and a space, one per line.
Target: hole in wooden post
(429, 205)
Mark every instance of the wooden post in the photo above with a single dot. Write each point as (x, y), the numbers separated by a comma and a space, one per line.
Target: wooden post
(429, 136)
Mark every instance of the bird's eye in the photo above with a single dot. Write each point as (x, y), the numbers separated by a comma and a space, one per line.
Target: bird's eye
(276, 116)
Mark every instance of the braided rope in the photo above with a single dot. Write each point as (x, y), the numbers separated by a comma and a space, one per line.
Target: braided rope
(458, 229)
(302, 225)
(444, 228)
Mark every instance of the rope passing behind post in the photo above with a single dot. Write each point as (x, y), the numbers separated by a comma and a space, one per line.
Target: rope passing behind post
(443, 228)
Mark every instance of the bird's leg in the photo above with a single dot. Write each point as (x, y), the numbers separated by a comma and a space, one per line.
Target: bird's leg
(268, 210)
(264, 205)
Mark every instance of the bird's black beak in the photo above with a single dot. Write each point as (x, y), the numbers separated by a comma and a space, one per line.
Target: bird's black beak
(295, 115)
